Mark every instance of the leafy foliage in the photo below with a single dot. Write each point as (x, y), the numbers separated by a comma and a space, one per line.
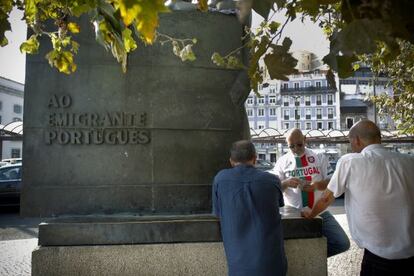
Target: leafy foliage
(119, 25)
(401, 72)
(377, 31)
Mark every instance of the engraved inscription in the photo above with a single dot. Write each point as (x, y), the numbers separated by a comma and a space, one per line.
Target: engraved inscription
(92, 128)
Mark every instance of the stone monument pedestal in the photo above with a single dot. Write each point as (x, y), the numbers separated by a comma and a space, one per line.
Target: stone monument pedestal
(161, 245)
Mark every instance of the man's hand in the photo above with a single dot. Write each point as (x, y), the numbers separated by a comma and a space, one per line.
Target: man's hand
(306, 213)
(291, 182)
(323, 202)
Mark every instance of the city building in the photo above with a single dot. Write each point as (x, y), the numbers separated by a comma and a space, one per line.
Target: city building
(11, 110)
(305, 101)
(355, 103)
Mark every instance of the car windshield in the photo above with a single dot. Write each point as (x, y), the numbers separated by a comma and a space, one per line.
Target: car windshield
(10, 173)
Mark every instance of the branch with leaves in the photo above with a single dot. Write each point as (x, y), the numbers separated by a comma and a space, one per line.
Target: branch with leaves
(355, 29)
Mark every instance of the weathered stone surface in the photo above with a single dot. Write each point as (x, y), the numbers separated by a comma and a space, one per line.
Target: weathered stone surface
(130, 229)
(305, 257)
(185, 117)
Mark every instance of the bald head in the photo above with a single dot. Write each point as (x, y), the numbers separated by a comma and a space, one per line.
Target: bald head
(296, 141)
(294, 133)
(366, 131)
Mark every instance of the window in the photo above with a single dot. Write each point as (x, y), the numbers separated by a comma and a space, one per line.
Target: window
(249, 100)
(297, 114)
(286, 114)
(285, 101)
(260, 100)
(307, 83)
(349, 122)
(15, 119)
(1, 105)
(319, 125)
(330, 113)
(296, 85)
(272, 100)
(17, 109)
(285, 86)
(272, 111)
(308, 125)
(260, 126)
(330, 99)
(318, 99)
(308, 113)
(297, 101)
(272, 90)
(286, 125)
(260, 112)
(0, 119)
(330, 125)
(318, 113)
(15, 153)
(297, 125)
(307, 100)
(249, 112)
(318, 84)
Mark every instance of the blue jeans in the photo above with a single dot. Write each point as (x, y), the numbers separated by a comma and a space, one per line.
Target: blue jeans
(337, 239)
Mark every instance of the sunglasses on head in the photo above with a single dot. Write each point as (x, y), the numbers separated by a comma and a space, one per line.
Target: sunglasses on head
(295, 145)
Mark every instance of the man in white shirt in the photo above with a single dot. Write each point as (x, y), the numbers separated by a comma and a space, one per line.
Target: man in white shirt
(304, 175)
(379, 201)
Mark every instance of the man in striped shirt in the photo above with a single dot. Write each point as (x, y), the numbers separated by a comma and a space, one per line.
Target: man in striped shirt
(304, 175)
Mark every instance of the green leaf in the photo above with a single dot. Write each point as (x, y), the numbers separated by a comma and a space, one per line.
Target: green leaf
(263, 7)
(30, 46)
(345, 67)
(361, 36)
(4, 26)
(280, 64)
(30, 10)
(187, 53)
(73, 28)
(129, 42)
(147, 22)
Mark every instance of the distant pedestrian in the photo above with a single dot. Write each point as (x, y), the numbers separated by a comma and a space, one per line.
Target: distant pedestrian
(247, 202)
(379, 201)
(305, 175)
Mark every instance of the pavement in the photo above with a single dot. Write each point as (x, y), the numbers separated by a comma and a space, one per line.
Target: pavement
(18, 238)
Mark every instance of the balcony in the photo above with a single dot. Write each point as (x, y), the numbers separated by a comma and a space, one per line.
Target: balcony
(307, 90)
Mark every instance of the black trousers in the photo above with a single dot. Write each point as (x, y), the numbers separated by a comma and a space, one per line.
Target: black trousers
(373, 265)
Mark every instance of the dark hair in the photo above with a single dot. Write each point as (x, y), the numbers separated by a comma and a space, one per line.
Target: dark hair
(242, 151)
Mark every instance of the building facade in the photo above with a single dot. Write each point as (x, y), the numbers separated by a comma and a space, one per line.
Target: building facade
(355, 104)
(11, 110)
(308, 102)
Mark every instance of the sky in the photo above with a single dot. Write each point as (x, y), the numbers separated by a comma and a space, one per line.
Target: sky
(305, 36)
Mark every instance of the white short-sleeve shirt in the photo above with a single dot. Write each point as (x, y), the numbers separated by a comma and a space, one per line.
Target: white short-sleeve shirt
(310, 166)
(379, 200)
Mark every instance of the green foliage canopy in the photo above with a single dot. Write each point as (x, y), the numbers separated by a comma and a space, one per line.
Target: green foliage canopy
(380, 32)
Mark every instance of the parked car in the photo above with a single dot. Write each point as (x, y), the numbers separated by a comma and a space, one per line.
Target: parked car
(10, 184)
(12, 160)
(264, 165)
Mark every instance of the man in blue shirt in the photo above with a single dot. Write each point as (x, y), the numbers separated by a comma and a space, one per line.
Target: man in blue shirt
(247, 202)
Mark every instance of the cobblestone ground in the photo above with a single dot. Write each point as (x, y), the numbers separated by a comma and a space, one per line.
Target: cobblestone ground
(347, 263)
(15, 256)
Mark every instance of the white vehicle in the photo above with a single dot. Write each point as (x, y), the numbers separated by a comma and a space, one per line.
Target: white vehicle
(12, 160)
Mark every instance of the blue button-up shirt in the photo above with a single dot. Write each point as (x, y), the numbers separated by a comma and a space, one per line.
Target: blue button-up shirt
(247, 202)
